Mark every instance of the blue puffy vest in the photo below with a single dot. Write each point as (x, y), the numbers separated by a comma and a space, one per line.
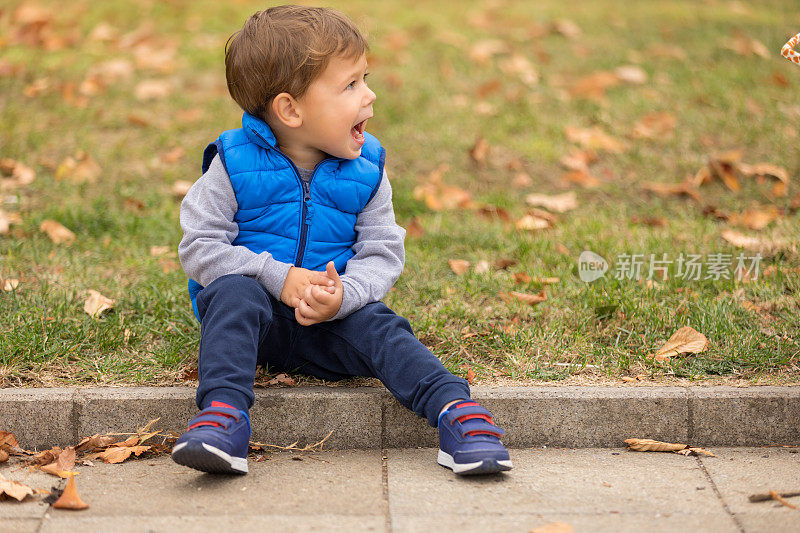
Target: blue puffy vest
(306, 225)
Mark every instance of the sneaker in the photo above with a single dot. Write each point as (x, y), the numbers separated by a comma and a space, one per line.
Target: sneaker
(469, 442)
(217, 441)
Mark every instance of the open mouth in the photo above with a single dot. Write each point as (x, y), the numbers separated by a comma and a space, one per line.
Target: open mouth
(357, 132)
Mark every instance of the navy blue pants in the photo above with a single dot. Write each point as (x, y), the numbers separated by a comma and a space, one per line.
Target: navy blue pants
(243, 325)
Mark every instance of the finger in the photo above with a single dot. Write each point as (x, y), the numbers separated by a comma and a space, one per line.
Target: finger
(321, 278)
(321, 296)
(333, 274)
(303, 321)
(307, 311)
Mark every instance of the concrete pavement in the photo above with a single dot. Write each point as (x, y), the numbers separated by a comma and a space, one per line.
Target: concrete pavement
(595, 489)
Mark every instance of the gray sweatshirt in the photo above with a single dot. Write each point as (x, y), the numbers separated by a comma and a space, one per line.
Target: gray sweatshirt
(206, 252)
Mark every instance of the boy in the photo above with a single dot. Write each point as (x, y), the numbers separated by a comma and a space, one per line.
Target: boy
(290, 242)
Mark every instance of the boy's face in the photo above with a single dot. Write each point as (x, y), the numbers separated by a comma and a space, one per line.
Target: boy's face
(336, 107)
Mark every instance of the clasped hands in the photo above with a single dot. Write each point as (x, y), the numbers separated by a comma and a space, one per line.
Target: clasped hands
(315, 296)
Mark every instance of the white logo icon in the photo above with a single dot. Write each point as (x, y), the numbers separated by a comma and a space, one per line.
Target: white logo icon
(591, 266)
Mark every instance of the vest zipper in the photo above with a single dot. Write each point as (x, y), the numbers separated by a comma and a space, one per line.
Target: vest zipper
(298, 260)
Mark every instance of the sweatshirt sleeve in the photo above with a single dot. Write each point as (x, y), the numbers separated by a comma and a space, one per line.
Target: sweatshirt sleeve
(379, 254)
(206, 252)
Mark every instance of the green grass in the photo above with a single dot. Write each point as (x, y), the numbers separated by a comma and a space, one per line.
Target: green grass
(608, 328)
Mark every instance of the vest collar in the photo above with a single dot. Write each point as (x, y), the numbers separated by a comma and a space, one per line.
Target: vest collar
(258, 131)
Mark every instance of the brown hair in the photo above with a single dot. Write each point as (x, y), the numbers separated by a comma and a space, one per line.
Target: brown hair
(284, 49)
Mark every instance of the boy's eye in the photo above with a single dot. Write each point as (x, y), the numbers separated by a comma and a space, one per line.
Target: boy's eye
(352, 84)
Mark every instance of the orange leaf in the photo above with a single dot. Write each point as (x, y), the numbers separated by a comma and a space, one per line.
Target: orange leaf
(80, 169)
(470, 375)
(649, 445)
(96, 304)
(594, 139)
(17, 174)
(14, 489)
(667, 189)
(479, 151)
(117, 454)
(530, 299)
(558, 203)
(459, 266)
(69, 498)
(57, 232)
(685, 340)
(656, 125)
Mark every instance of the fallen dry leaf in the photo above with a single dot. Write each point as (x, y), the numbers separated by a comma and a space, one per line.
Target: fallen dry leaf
(415, 228)
(281, 379)
(579, 159)
(531, 222)
(112, 71)
(656, 125)
(57, 232)
(530, 299)
(117, 454)
(756, 218)
(521, 277)
(690, 450)
(180, 188)
(553, 527)
(439, 196)
(594, 138)
(649, 445)
(69, 498)
(481, 266)
(581, 177)
(159, 58)
(80, 169)
(724, 166)
(8, 440)
(504, 262)
(174, 155)
(567, 28)
(744, 45)
(685, 340)
(520, 66)
(157, 251)
(53, 470)
(559, 203)
(768, 170)
(479, 151)
(9, 284)
(685, 188)
(482, 51)
(756, 244)
(96, 304)
(470, 375)
(14, 489)
(631, 74)
(459, 266)
(152, 89)
(3, 455)
(594, 85)
(15, 174)
(89, 444)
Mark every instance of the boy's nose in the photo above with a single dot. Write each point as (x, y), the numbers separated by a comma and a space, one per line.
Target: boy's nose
(370, 97)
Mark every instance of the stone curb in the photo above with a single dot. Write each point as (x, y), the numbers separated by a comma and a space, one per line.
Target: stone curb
(365, 418)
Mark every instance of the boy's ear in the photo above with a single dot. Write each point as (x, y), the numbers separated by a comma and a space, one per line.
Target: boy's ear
(287, 110)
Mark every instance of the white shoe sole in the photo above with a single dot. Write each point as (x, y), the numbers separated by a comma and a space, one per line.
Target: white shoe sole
(487, 466)
(219, 462)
